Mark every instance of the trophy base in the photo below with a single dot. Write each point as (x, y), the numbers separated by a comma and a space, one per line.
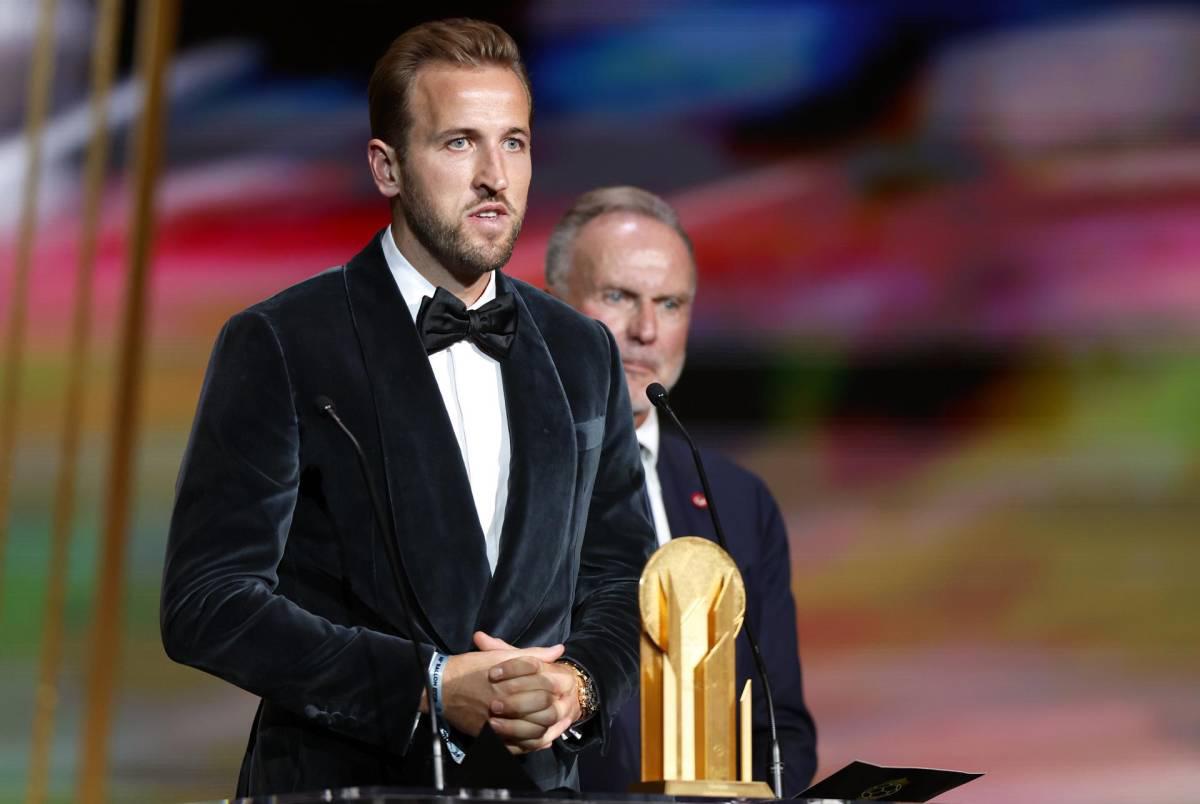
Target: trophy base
(715, 788)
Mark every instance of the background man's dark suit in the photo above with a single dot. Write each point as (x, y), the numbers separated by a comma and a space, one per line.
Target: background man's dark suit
(276, 577)
(758, 543)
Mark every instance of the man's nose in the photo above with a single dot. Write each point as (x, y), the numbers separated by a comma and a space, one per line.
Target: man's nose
(490, 174)
(644, 325)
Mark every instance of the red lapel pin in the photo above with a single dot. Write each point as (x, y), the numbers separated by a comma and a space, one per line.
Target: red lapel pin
(699, 501)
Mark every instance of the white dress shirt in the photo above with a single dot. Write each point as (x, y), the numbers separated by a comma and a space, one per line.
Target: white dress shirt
(473, 392)
(648, 439)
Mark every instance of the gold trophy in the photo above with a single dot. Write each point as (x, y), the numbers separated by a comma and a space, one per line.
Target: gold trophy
(693, 602)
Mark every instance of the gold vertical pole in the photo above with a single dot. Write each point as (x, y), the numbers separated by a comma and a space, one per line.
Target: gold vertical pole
(746, 735)
(716, 711)
(104, 49)
(156, 24)
(40, 81)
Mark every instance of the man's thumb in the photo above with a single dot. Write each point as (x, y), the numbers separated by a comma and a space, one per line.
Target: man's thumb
(485, 641)
(547, 654)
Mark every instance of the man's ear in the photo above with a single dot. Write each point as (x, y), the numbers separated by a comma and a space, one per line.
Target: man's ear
(385, 167)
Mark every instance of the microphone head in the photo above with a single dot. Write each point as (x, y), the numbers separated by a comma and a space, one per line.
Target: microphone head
(656, 394)
(323, 404)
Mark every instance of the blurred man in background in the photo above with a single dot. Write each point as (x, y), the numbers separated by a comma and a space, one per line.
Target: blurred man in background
(620, 255)
(497, 423)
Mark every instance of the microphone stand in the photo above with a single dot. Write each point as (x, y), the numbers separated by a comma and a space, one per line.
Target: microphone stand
(325, 406)
(657, 395)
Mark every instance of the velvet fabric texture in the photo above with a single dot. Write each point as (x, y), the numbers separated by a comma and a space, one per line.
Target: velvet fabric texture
(758, 544)
(276, 576)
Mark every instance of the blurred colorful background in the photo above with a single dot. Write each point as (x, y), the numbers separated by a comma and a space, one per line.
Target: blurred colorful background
(949, 308)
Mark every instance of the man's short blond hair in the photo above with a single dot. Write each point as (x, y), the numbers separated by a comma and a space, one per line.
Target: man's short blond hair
(592, 205)
(459, 41)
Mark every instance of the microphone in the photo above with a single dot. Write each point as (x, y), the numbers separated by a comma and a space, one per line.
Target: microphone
(657, 395)
(324, 405)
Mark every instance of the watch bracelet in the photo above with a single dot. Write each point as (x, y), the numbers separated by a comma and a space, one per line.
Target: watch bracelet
(585, 692)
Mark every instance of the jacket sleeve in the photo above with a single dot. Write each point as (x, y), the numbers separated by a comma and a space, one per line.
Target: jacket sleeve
(606, 624)
(220, 611)
(776, 623)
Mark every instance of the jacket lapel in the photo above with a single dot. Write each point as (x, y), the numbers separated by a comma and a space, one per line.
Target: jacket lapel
(541, 485)
(440, 539)
(679, 481)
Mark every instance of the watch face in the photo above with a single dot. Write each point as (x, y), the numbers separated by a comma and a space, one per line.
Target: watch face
(587, 697)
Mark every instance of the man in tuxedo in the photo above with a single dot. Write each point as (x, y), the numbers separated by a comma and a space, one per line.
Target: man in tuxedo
(494, 419)
(620, 255)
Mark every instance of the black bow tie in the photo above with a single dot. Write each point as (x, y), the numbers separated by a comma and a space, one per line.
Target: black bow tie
(444, 320)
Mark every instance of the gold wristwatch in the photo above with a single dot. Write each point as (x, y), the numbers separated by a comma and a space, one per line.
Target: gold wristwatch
(584, 689)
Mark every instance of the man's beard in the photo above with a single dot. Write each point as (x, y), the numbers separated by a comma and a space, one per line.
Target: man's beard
(447, 242)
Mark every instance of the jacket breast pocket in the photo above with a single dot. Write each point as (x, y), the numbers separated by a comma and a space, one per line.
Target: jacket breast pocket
(589, 434)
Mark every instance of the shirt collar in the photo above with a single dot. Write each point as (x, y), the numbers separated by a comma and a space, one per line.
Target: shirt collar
(647, 436)
(414, 287)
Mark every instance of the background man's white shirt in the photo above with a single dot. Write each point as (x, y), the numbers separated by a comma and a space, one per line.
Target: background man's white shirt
(648, 439)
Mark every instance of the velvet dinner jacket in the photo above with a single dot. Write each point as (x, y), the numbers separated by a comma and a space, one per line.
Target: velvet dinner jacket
(276, 575)
(758, 543)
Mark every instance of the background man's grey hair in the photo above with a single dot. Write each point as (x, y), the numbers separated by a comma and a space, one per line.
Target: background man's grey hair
(593, 204)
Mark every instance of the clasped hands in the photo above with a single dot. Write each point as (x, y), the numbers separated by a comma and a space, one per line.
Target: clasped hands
(528, 700)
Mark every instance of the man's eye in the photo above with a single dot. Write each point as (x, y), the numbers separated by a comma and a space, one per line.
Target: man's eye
(614, 296)
(457, 144)
(513, 144)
